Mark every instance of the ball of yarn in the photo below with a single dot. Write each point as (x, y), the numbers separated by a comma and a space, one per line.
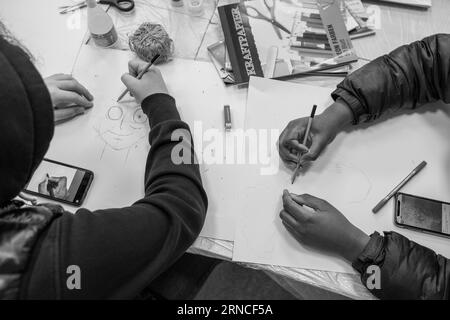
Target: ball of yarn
(150, 39)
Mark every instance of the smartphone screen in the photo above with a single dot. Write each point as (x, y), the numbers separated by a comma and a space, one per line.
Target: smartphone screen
(424, 214)
(60, 182)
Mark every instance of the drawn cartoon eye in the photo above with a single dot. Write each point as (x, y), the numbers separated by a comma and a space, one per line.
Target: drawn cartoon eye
(139, 116)
(115, 113)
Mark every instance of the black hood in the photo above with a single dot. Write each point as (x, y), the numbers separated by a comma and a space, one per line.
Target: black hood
(26, 120)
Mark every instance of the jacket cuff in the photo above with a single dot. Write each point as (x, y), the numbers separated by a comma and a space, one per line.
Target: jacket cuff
(370, 254)
(359, 114)
(160, 107)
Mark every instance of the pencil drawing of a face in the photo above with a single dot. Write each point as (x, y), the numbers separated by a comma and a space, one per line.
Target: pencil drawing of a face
(123, 125)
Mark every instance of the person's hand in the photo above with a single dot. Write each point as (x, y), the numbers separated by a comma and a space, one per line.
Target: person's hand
(152, 81)
(324, 129)
(317, 224)
(69, 97)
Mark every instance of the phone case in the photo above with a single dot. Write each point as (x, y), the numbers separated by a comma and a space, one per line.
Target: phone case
(404, 226)
(88, 185)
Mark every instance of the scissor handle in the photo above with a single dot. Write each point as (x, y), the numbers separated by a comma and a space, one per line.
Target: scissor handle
(281, 27)
(122, 5)
(270, 5)
(254, 13)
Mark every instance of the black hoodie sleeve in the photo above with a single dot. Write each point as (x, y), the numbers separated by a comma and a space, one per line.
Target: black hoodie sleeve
(408, 77)
(120, 251)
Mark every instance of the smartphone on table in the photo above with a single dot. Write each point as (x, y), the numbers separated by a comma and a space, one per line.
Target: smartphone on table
(60, 182)
(422, 214)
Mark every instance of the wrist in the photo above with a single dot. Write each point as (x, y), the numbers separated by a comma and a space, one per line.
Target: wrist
(357, 242)
(340, 113)
(160, 107)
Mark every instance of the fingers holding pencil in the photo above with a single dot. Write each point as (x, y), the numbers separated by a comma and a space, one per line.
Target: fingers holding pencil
(142, 81)
(305, 139)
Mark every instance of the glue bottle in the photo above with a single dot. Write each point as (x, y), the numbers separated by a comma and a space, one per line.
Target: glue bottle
(177, 3)
(100, 25)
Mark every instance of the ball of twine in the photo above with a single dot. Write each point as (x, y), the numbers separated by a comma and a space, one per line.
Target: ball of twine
(150, 39)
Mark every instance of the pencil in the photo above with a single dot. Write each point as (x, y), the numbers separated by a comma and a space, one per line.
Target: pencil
(140, 75)
(305, 139)
(399, 186)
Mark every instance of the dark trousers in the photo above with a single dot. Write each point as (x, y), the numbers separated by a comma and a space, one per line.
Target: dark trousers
(183, 280)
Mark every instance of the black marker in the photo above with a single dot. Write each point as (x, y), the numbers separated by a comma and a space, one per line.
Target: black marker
(227, 117)
(399, 186)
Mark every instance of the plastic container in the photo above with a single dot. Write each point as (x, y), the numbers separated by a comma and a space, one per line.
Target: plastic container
(195, 7)
(100, 25)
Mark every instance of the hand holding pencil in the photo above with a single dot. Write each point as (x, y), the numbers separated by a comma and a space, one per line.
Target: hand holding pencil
(323, 130)
(305, 139)
(151, 81)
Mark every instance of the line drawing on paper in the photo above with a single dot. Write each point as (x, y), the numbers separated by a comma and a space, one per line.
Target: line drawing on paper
(122, 126)
(342, 168)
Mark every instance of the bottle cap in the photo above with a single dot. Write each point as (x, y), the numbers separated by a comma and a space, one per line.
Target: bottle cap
(91, 3)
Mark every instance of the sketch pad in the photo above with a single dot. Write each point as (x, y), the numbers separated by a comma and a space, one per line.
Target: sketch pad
(111, 139)
(356, 171)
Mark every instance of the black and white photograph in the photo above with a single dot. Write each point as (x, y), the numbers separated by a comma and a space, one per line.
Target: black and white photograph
(225, 158)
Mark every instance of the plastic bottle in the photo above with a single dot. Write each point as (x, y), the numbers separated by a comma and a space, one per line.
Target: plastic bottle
(100, 25)
(177, 3)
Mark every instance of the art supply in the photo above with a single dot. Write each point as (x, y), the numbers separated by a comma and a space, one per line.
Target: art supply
(413, 3)
(218, 54)
(305, 139)
(361, 33)
(227, 117)
(177, 3)
(121, 5)
(149, 40)
(263, 24)
(271, 7)
(271, 61)
(140, 75)
(100, 25)
(195, 7)
(317, 71)
(399, 186)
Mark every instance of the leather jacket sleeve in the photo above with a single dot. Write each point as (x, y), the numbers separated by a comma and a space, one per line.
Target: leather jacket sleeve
(408, 77)
(407, 270)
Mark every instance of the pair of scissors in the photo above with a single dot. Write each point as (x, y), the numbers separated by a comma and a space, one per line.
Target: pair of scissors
(122, 5)
(256, 14)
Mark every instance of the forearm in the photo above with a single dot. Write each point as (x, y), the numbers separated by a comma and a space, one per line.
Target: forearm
(172, 176)
(120, 251)
(407, 269)
(410, 76)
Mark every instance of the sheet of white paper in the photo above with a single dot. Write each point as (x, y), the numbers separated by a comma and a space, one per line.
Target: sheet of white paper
(111, 139)
(53, 39)
(357, 170)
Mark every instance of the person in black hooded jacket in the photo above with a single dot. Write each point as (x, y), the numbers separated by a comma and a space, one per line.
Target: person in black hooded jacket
(118, 252)
(407, 78)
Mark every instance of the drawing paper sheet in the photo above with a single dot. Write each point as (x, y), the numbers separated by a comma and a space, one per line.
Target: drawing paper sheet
(356, 171)
(112, 138)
